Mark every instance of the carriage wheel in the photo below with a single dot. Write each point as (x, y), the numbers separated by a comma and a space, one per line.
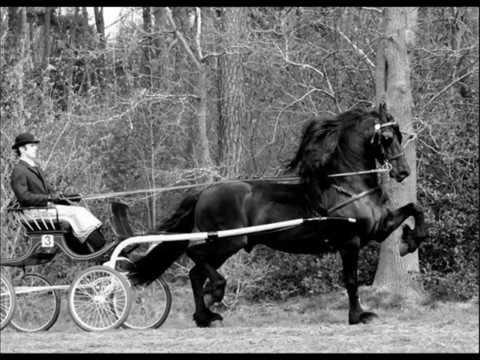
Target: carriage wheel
(7, 301)
(99, 299)
(150, 306)
(36, 310)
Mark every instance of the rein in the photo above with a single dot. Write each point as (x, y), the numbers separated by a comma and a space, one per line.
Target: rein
(386, 167)
(179, 187)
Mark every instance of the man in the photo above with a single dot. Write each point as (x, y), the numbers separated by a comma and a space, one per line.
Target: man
(32, 190)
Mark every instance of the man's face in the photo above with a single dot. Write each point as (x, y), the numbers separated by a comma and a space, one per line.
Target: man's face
(30, 151)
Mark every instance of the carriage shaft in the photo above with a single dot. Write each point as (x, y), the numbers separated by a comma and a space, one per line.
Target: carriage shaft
(159, 238)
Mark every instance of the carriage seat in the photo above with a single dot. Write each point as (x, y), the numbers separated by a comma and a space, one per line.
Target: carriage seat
(40, 220)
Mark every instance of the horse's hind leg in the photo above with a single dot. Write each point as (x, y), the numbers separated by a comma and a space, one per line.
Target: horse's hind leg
(206, 264)
(214, 290)
(202, 316)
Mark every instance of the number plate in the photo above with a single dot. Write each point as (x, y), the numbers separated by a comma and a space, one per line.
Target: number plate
(48, 241)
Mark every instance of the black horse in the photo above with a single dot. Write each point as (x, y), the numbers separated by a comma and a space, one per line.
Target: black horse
(347, 145)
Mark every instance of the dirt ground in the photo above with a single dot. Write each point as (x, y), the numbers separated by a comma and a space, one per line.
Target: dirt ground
(303, 325)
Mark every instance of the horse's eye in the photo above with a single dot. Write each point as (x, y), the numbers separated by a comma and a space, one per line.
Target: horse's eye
(387, 139)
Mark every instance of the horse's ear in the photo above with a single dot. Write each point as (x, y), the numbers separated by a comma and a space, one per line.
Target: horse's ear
(382, 111)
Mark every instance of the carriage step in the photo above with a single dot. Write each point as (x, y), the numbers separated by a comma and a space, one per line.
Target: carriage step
(34, 259)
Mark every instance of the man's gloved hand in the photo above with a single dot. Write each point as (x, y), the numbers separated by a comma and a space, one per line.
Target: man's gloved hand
(56, 198)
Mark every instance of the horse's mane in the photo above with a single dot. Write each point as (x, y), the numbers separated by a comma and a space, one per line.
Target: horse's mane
(321, 139)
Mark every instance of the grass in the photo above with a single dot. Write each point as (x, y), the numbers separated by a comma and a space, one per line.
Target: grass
(303, 324)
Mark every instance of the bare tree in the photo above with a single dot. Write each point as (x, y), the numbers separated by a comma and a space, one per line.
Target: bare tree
(17, 57)
(233, 110)
(147, 47)
(100, 24)
(46, 36)
(194, 52)
(393, 86)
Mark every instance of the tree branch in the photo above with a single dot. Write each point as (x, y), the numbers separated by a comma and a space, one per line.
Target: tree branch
(277, 119)
(377, 10)
(355, 47)
(182, 39)
(304, 66)
(199, 31)
(447, 87)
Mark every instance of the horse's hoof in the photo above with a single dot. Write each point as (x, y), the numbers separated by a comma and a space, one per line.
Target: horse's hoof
(406, 232)
(367, 317)
(361, 318)
(201, 321)
(205, 319)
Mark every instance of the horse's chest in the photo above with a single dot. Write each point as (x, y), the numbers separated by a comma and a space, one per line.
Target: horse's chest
(363, 208)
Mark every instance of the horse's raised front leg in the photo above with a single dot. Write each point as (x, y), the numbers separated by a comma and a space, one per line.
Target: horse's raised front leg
(350, 264)
(411, 239)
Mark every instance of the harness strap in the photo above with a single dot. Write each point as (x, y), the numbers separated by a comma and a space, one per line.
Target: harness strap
(396, 156)
(386, 167)
(352, 198)
(342, 190)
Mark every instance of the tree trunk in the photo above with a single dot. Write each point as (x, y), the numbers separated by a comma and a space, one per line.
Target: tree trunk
(14, 30)
(393, 86)
(100, 25)
(201, 152)
(16, 46)
(158, 26)
(203, 156)
(159, 50)
(147, 47)
(73, 30)
(84, 20)
(232, 97)
(46, 38)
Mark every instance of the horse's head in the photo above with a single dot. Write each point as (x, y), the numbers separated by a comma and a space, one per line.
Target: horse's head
(386, 143)
(349, 142)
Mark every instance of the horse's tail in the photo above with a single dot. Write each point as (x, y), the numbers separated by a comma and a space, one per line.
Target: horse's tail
(161, 257)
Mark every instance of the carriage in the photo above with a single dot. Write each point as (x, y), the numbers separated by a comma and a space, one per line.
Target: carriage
(99, 298)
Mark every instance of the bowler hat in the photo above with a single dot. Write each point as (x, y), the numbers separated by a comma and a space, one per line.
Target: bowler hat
(23, 139)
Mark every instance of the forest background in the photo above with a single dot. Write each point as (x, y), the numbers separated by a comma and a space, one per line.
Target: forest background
(188, 95)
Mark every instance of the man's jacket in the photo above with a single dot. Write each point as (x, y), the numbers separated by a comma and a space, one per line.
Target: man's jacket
(29, 185)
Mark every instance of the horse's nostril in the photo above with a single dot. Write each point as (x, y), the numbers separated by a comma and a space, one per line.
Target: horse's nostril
(404, 174)
(401, 175)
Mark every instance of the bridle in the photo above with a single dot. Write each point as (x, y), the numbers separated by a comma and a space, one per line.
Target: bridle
(386, 167)
(376, 138)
